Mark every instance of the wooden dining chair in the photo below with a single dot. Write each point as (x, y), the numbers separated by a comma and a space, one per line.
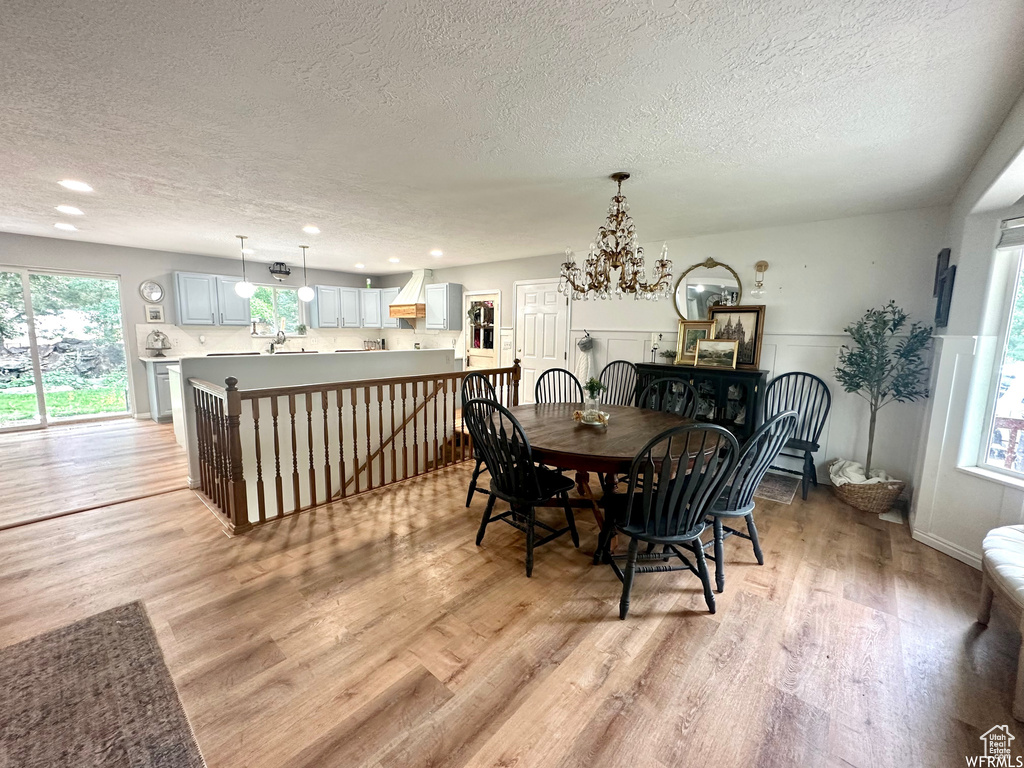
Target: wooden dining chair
(809, 396)
(558, 385)
(670, 395)
(737, 500)
(476, 387)
(673, 481)
(619, 379)
(515, 479)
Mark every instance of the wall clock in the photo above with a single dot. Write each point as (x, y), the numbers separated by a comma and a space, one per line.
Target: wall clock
(151, 291)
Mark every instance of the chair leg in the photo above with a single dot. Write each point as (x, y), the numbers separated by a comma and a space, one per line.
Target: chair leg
(719, 555)
(472, 483)
(985, 611)
(571, 520)
(806, 479)
(529, 517)
(486, 519)
(752, 533)
(814, 472)
(705, 577)
(627, 577)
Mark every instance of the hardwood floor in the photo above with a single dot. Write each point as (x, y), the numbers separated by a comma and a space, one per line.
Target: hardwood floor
(374, 633)
(58, 470)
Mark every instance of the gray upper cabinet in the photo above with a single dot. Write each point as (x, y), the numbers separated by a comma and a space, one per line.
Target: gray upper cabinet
(369, 305)
(196, 297)
(388, 295)
(444, 307)
(234, 310)
(326, 309)
(350, 315)
(209, 300)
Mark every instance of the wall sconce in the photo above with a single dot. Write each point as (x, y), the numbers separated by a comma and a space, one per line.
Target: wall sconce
(759, 269)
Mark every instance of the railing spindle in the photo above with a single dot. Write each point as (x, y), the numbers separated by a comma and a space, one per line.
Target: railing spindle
(343, 484)
(278, 482)
(260, 500)
(309, 440)
(324, 404)
(296, 496)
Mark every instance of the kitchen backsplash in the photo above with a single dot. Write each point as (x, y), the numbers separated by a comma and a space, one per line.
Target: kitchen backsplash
(186, 341)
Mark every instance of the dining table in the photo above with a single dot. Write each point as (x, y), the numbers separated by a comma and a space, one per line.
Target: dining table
(557, 440)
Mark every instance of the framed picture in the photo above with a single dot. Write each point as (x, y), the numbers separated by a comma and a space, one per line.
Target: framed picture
(690, 332)
(717, 353)
(941, 265)
(945, 297)
(155, 313)
(746, 326)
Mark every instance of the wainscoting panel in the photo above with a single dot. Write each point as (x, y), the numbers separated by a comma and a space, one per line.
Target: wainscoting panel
(845, 432)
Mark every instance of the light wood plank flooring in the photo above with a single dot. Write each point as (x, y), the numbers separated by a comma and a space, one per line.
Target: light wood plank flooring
(374, 633)
(53, 471)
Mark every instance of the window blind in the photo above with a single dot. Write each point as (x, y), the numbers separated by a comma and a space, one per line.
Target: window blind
(1012, 235)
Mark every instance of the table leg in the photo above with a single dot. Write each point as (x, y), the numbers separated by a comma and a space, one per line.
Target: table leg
(586, 492)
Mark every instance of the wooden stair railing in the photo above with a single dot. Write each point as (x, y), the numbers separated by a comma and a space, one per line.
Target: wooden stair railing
(327, 441)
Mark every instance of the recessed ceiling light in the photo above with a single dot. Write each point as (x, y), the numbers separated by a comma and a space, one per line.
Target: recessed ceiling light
(309, 229)
(77, 186)
(437, 252)
(393, 260)
(63, 225)
(69, 209)
(360, 266)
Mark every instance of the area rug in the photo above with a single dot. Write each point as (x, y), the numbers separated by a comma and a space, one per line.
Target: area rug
(94, 693)
(776, 487)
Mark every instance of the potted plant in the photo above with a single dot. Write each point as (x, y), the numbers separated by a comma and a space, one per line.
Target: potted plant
(885, 363)
(592, 405)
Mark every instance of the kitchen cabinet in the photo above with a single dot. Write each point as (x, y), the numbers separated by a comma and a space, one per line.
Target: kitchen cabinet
(444, 307)
(209, 300)
(350, 317)
(233, 309)
(335, 307)
(159, 387)
(196, 298)
(370, 307)
(326, 309)
(388, 295)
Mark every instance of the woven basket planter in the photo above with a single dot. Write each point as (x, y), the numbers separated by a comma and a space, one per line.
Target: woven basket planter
(870, 497)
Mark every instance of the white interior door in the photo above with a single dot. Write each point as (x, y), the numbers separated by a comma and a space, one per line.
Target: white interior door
(542, 331)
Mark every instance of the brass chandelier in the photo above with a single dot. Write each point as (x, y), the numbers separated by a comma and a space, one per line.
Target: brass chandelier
(616, 248)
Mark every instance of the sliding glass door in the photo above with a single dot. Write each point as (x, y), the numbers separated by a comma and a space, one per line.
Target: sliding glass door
(21, 399)
(62, 353)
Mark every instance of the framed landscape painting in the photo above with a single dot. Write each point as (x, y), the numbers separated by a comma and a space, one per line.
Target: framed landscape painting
(690, 332)
(717, 353)
(746, 326)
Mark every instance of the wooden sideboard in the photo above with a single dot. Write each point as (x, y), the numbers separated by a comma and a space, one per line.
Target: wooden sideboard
(729, 398)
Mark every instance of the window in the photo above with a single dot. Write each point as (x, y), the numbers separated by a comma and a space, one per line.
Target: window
(275, 309)
(1005, 450)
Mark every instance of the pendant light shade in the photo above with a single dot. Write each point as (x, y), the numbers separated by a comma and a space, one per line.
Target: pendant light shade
(244, 289)
(305, 292)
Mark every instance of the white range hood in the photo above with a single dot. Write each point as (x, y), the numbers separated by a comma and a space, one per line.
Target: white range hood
(411, 302)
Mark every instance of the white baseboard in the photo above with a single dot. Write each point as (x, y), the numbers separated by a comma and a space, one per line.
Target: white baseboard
(141, 417)
(193, 484)
(948, 548)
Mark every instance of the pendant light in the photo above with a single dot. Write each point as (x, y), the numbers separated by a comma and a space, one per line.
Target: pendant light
(245, 289)
(305, 292)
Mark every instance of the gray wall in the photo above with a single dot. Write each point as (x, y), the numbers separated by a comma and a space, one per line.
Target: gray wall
(135, 265)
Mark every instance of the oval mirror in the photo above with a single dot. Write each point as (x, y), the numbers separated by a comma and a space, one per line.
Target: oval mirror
(708, 284)
(151, 291)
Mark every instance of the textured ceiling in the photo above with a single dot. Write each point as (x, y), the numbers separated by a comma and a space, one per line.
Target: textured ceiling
(486, 128)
